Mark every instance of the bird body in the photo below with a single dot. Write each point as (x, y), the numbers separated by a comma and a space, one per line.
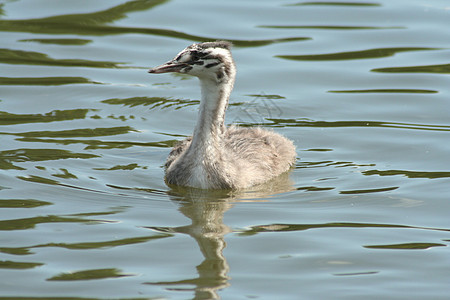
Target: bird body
(216, 157)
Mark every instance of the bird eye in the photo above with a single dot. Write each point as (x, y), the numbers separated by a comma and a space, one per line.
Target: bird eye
(195, 55)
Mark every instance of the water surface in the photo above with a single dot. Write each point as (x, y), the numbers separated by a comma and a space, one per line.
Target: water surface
(361, 87)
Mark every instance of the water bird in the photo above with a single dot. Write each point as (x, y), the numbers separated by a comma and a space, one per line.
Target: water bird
(217, 157)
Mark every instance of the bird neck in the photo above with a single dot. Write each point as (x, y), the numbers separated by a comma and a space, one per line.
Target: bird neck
(211, 119)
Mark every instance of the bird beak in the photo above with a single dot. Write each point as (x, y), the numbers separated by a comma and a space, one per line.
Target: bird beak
(170, 66)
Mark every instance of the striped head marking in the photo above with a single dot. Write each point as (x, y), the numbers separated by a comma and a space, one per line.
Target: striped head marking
(210, 60)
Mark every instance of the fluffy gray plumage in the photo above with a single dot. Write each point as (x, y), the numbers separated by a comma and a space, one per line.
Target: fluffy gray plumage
(216, 157)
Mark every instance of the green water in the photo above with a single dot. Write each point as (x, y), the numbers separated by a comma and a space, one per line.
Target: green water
(361, 87)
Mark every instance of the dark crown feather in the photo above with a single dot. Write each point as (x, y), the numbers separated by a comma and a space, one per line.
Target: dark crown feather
(216, 44)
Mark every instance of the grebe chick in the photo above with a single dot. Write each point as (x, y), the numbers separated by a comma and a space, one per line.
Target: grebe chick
(216, 157)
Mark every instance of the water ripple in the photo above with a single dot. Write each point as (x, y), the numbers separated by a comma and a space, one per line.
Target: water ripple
(363, 54)
(23, 203)
(9, 157)
(28, 223)
(61, 80)
(7, 118)
(85, 245)
(93, 24)
(337, 3)
(99, 144)
(409, 174)
(15, 265)
(398, 125)
(153, 102)
(406, 246)
(330, 27)
(66, 42)
(365, 191)
(89, 275)
(301, 227)
(436, 69)
(9, 56)
(386, 91)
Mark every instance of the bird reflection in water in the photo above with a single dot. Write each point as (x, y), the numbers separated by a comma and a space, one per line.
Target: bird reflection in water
(206, 209)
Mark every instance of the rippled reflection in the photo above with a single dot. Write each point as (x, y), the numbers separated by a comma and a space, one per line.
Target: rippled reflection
(387, 91)
(89, 275)
(337, 3)
(437, 69)
(407, 246)
(67, 42)
(94, 24)
(45, 80)
(300, 227)
(28, 250)
(9, 157)
(7, 118)
(208, 230)
(8, 56)
(22, 203)
(17, 265)
(206, 210)
(153, 102)
(364, 54)
(28, 223)
(330, 27)
(311, 123)
(409, 174)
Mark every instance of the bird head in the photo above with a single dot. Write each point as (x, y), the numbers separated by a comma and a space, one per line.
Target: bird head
(210, 60)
